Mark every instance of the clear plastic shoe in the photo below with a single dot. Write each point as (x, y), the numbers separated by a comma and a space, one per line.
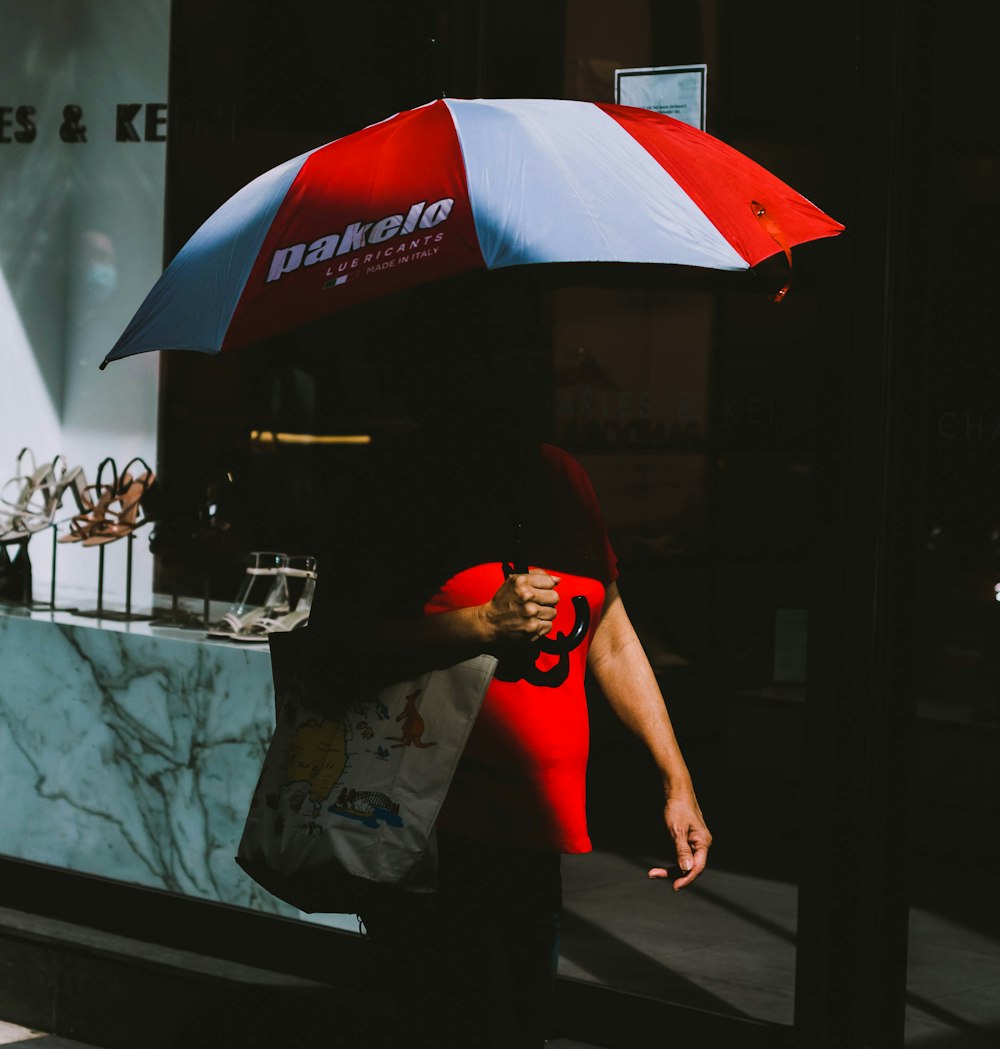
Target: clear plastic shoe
(263, 594)
(300, 567)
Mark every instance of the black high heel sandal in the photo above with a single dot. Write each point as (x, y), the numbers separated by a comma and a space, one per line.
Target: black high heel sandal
(93, 501)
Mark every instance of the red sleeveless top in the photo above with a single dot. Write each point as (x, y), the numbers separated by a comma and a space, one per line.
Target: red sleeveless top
(522, 778)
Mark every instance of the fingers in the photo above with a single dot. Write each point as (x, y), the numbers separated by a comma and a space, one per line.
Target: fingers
(692, 856)
(538, 597)
(673, 874)
(536, 594)
(680, 876)
(691, 840)
(692, 865)
(537, 586)
(684, 858)
(525, 605)
(543, 580)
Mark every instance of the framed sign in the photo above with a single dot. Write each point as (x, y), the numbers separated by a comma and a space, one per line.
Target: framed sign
(677, 91)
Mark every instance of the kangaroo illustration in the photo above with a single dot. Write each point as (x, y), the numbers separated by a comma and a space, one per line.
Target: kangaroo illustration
(413, 725)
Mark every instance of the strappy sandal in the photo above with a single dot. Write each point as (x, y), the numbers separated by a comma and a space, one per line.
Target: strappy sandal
(40, 493)
(122, 514)
(93, 501)
(262, 594)
(300, 567)
(19, 492)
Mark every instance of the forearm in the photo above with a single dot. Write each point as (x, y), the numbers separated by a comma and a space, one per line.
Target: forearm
(622, 671)
(522, 610)
(631, 690)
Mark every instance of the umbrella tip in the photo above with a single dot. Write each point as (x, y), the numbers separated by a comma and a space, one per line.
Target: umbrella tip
(435, 65)
(103, 364)
(778, 236)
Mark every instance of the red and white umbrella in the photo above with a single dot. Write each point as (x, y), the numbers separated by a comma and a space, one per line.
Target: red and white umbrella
(459, 185)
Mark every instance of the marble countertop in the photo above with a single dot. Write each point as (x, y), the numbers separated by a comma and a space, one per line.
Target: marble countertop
(130, 750)
(141, 626)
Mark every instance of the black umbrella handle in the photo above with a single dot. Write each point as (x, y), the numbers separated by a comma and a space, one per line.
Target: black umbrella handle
(519, 663)
(581, 616)
(518, 566)
(565, 643)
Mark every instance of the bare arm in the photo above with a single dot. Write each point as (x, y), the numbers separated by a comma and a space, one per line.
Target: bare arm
(622, 671)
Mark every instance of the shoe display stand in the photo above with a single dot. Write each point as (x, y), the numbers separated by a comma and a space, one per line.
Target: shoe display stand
(107, 513)
(15, 580)
(100, 612)
(51, 603)
(176, 616)
(26, 597)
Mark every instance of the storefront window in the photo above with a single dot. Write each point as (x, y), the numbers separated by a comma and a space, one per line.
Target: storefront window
(690, 397)
(692, 400)
(83, 118)
(697, 404)
(953, 985)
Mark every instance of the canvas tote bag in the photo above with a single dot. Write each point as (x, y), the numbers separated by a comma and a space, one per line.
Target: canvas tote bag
(351, 784)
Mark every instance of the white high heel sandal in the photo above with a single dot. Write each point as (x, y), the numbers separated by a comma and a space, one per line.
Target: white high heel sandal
(300, 566)
(262, 594)
(36, 494)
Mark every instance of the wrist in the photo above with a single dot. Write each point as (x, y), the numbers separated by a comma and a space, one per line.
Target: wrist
(483, 624)
(678, 790)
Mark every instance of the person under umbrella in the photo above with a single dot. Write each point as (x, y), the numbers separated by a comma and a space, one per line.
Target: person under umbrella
(424, 570)
(471, 533)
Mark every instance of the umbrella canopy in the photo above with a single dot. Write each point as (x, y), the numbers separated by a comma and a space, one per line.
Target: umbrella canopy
(459, 185)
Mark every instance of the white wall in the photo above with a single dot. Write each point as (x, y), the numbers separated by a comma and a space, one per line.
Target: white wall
(81, 242)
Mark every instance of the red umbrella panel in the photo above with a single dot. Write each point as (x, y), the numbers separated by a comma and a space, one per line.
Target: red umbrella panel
(460, 185)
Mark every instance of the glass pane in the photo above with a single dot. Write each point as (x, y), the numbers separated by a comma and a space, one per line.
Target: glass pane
(953, 989)
(691, 399)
